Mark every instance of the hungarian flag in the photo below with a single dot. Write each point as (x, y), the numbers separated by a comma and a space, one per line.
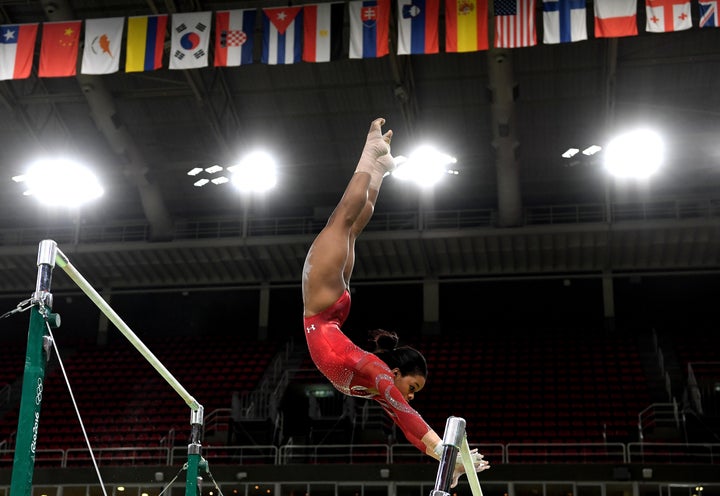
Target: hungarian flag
(103, 38)
(59, 49)
(17, 46)
(322, 26)
(667, 15)
(466, 25)
(234, 30)
(615, 18)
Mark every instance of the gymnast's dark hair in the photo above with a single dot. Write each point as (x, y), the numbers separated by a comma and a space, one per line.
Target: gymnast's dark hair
(405, 358)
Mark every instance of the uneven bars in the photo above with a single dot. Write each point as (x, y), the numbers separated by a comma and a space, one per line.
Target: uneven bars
(63, 261)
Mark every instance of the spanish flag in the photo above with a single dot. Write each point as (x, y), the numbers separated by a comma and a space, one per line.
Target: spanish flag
(466, 25)
(145, 40)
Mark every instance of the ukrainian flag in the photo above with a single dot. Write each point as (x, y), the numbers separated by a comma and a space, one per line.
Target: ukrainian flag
(145, 40)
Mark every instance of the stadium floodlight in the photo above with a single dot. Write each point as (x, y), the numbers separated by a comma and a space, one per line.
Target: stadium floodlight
(634, 155)
(60, 183)
(256, 173)
(570, 152)
(592, 150)
(426, 166)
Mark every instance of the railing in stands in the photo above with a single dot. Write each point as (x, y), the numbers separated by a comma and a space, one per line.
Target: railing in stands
(214, 228)
(512, 453)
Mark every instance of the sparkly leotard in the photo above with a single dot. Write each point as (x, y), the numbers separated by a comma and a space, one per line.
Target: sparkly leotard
(356, 372)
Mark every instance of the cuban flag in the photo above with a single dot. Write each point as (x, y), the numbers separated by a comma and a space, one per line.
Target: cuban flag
(418, 26)
(369, 28)
(708, 14)
(564, 21)
(17, 45)
(282, 35)
(234, 31)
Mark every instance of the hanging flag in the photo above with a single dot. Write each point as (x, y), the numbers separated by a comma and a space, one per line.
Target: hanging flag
(418, 26)
(667, 15)
(708, 14)
(564, 21)
(189, 40)
(17, 46)
(145, 40)
(369, 28)
(466, 25)
(282, 35)
(103, 38)
(615, 18)
(234, 30)
(59, 49)
(515, 23)
(322, 25)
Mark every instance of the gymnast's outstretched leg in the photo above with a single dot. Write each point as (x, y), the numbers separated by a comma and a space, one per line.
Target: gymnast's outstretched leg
(329, 262)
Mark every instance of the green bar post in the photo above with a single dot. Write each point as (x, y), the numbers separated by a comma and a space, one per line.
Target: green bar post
(29, 419)
(194, 458)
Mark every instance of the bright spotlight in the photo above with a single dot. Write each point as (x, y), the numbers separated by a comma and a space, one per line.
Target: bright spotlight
(425, 166)
(634, 155)
(61, 183)
(255, 173)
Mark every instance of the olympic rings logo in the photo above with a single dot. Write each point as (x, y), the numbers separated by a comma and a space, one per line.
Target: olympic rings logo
(39, 391)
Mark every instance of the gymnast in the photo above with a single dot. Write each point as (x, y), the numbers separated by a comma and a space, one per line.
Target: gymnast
(391, 375)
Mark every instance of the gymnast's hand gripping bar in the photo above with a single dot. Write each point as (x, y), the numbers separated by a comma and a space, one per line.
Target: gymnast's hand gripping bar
(63, 261)
(451, 442)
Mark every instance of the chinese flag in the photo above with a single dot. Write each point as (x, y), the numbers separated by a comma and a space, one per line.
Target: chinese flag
(59, 49)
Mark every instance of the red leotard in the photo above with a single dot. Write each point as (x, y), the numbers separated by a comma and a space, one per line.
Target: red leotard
(356, 372)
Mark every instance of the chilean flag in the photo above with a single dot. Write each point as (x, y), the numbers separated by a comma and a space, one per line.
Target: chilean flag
(17, 46)
(369, 28)
(418, 27)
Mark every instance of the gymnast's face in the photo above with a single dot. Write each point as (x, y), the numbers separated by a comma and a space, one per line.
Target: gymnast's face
(409, 385)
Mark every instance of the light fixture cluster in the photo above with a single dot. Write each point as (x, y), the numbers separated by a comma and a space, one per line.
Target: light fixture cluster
(636, 154)
(212, 170)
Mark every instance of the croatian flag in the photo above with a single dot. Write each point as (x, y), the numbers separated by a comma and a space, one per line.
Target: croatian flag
(667, 15)
(418, 26)
(282, 35)
(234, 31)
(17, 45)
(564, 21)
(369, 28)
(708, 14)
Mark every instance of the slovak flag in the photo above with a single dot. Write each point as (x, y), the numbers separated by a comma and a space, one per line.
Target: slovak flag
(17, 46)
(234, 31)
(708, 14)
(564, 21)
(282, 35)
(418, 26)
(369, 28)
(667, 15)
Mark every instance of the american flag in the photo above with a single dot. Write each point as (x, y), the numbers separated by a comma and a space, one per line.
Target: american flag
(515, 23)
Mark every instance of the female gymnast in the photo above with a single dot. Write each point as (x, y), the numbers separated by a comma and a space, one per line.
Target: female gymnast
(392, 375)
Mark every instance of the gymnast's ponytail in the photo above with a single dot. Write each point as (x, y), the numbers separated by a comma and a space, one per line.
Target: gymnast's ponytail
(408, 360)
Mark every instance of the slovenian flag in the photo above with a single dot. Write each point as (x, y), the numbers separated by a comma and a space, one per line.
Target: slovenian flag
(418, 27)
(145, 40)
(17, 46)
(282, 35)
(466, 25)
(234, 31)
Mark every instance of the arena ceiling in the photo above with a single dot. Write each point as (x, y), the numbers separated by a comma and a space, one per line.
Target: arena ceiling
(144, 131)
